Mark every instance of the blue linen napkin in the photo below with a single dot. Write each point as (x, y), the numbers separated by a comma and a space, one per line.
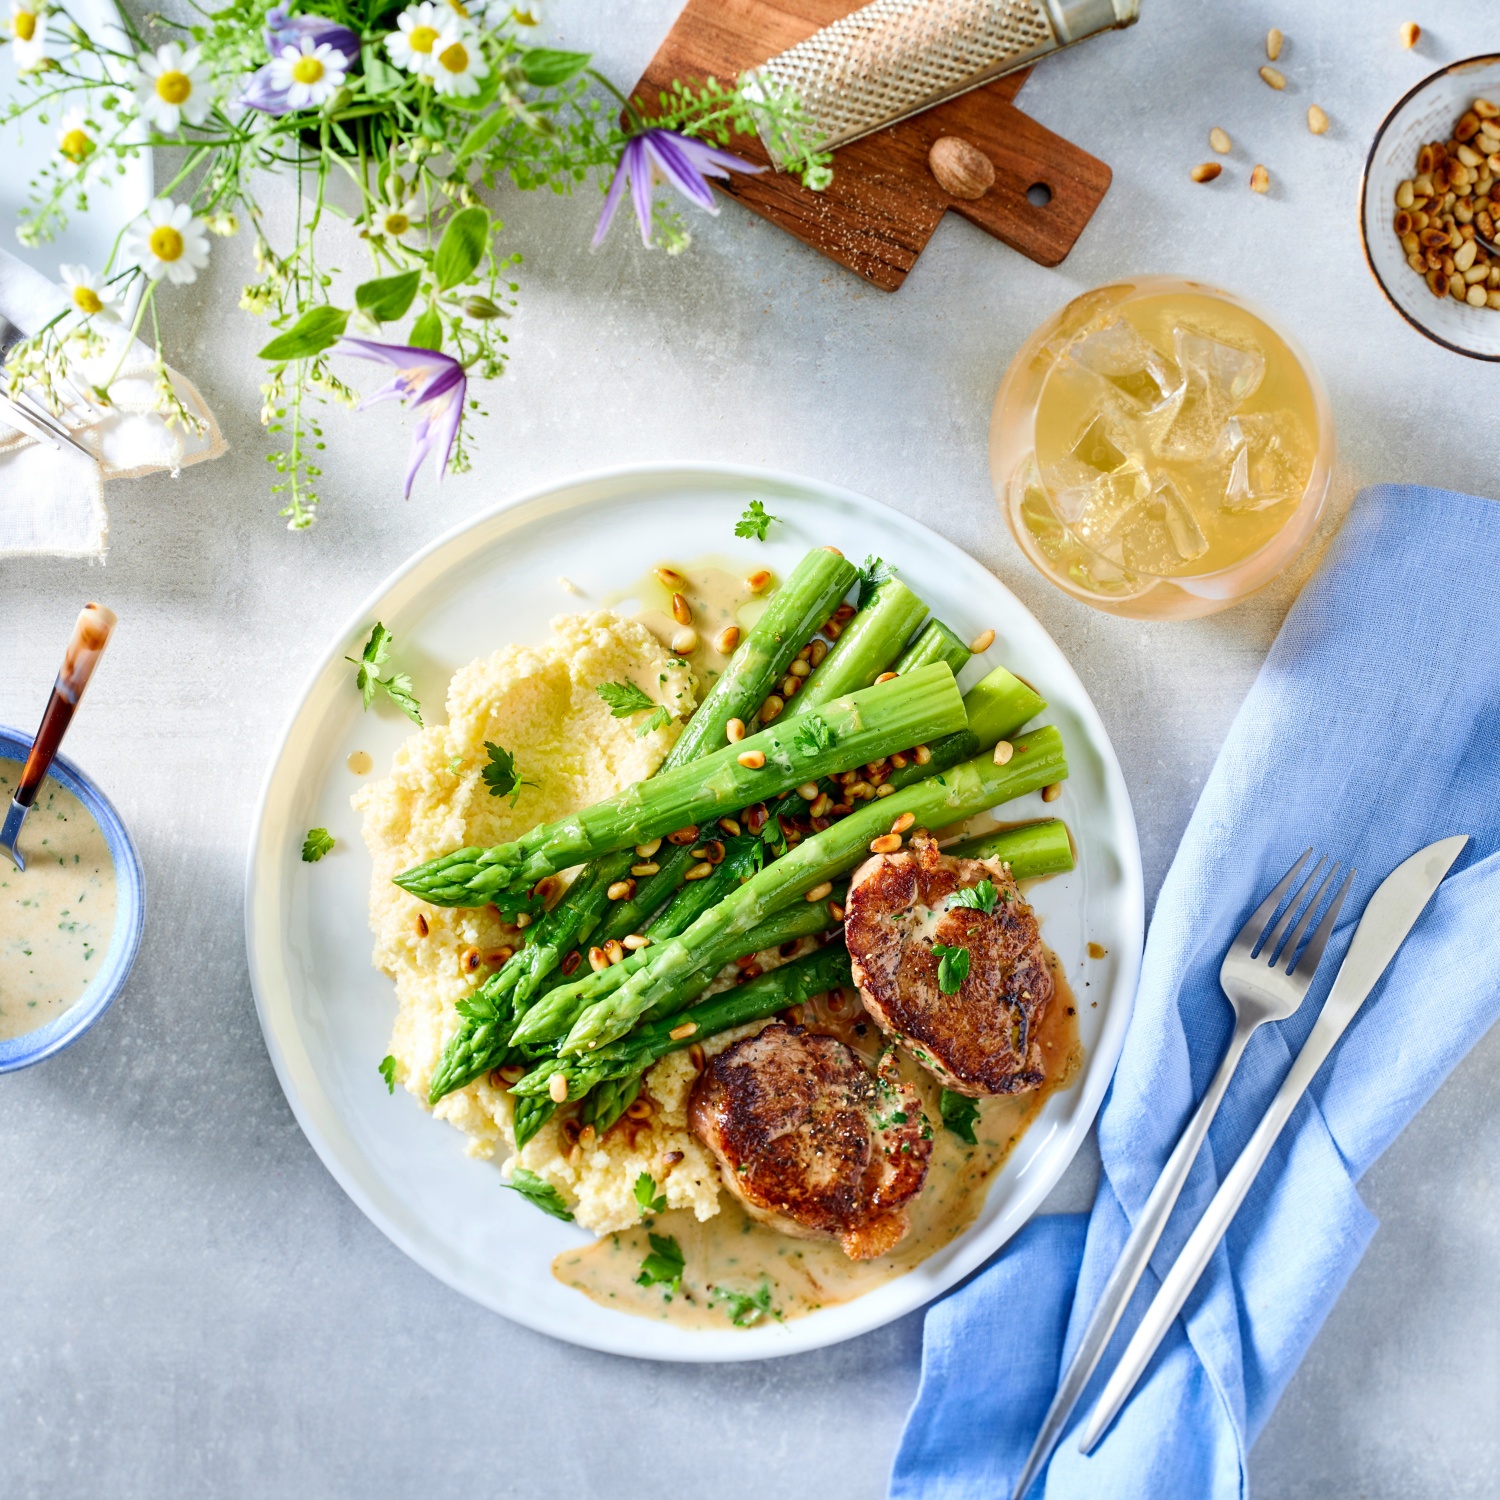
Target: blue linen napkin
(1372, 730)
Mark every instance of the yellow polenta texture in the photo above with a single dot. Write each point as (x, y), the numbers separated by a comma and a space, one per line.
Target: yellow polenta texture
(541, 705)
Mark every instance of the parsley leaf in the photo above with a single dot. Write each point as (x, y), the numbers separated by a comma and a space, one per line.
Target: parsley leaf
(755, 522)
(659, 719)
(317, 843)
(664, 1265)
(875, 572)
(388, 1072)
(397, 687)
(815, 736)
(773, 837)
(959, 1114)
(623, 698)
(500, 776)
(981, 897)
(646, 1196)
(539, 1193)
(953, 966)
(747, 1308)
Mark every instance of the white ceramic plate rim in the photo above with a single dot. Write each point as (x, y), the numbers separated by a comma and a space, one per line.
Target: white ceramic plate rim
(590, 1325)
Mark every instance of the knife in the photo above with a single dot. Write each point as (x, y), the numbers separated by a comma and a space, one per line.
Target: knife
(1392, 912)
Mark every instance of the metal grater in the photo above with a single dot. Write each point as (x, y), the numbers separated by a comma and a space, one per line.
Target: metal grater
(894, 58)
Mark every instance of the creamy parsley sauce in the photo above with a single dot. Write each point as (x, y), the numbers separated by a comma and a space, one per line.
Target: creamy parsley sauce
(732, 1253)
(56, 920)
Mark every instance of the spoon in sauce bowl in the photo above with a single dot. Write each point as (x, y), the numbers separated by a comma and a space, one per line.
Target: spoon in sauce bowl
(90, 636)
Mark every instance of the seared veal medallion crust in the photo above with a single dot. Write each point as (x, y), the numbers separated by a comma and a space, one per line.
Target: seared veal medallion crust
(982, 1040)
(812, 1142)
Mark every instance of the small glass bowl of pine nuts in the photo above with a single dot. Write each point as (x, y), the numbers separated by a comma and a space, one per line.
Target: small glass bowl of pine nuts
(1430, 193)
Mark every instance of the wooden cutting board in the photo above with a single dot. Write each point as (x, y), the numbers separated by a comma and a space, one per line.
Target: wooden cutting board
(884, 202)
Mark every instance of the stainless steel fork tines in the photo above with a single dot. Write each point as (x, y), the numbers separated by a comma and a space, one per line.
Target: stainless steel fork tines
(1265, 976)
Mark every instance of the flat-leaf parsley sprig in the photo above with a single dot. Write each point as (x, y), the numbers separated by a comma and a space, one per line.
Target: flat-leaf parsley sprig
(626, 698)
(755, 522)
(396, 686)
(501, 776)
(415, 110)
(953, 966)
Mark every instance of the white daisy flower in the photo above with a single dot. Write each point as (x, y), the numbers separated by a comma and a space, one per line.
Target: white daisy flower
(418, 30)
(28, 33)
(168, 241)
(86, 290)
(310, 74)
(75, 137)
(459, 63)
(172, 86)
(393, 222)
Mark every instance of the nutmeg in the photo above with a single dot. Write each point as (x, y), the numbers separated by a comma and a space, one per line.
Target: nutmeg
(961, 169)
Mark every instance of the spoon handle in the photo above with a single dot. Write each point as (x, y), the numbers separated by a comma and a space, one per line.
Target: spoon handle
(90, 636)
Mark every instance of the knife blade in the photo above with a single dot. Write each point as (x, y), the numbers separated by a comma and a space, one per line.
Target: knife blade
(1389, 916)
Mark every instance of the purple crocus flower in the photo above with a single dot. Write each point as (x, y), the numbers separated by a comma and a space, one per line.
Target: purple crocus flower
(433, 385)
(682, 161)
(283, 31)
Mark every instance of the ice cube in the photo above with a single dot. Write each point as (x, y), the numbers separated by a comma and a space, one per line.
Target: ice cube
(1112, 497)
(1217, 378)
(1159, 534)
(1121, 356)
(1096, 447)
(1271, 460)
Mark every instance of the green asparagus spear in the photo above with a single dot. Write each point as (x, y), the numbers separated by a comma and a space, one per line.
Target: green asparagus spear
(530, 1115)
(791, 618)
(966, 789)
(553, 1015)
(996, 706)
(871, 641)
(652, 894)
(935, 643)
(845, 732)
(1032, 849)
(789, 984)
(605, 1105)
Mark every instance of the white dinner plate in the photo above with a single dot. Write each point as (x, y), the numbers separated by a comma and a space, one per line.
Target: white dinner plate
(28, 144)
(327, 1013)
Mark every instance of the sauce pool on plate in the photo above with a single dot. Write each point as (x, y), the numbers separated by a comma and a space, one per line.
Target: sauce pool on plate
(57, 918)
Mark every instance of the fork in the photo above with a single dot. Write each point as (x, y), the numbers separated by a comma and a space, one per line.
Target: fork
(30, 416)
(1265, 979)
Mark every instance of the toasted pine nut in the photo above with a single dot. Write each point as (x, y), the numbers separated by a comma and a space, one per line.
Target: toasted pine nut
(1486, 110)
(752, 760)
(421, 925)
(636, 941)
(545, 889)
(770, 708)
(511, 1073)
(649, 848)
(470, 961)
(701, 871)
(557, 1088)
(646, 867)
(887, 843)
(835, 911)
(885, 791)
(570, 962)
(833, 550)
(833, 630)
(683, 1032)
(1260, 180)
(800, 667)
(821, 890)
(821, 805)
(621, 890)
(1317, 121)
(727, 639)
(1219, 140)
(1274, 40)
(1476, 296)
(685, 641)
(790, 686)
(712, 850)
(501, 955)
(757, 581)
(697, 1058)
(1405, 194)
(982, 642)
(903, 822)
(808, 791)
(682, 836)
(921, 755)
(587, 1136)
(614, 951)
(1205, 171)
(1053, 792)
(734, 731)
(1003, 752)
(598, 960)
(816, 651)
(730, 826)
(638, 1109)
(1411, 34)
(1272, 77)
(670, 578)
(522, 919)
(860, 789)
(886, 677)
(805, 654)
(682, 611)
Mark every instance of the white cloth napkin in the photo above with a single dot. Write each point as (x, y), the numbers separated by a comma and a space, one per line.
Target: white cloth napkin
(52, 500)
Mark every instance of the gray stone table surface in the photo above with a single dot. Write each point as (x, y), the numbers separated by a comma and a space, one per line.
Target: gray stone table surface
(191, 1305)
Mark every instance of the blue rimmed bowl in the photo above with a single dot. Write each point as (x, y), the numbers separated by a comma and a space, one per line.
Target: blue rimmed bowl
(130, 917)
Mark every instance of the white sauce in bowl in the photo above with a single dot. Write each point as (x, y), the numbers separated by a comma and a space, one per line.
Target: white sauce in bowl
(56, 919)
